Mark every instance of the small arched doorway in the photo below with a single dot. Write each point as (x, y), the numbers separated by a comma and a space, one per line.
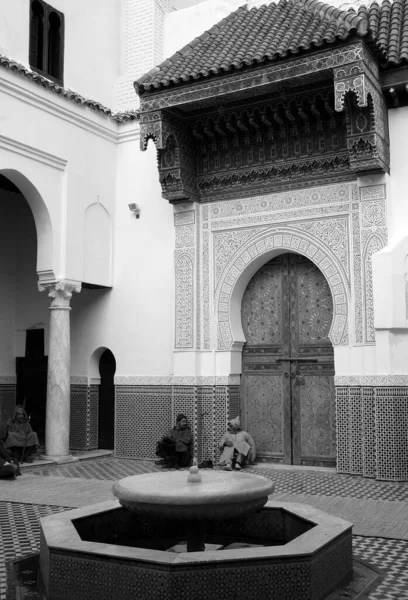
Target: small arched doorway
(288, 364)
(106, 414)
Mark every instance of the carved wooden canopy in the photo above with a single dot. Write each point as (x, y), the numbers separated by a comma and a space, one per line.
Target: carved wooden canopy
(315, 118)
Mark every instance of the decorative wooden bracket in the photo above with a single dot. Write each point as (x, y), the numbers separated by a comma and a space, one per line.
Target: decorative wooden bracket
(176, 155)
(358, 91)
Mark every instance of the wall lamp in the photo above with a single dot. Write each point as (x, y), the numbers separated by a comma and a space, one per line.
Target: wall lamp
(135, 209)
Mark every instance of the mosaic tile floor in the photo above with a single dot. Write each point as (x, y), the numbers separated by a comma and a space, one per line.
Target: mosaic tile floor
(20, 530)
(289, 481)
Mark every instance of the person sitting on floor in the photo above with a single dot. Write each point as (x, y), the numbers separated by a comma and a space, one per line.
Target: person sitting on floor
(4, 454)
(21, 441)
(237, 446)
(175, 448)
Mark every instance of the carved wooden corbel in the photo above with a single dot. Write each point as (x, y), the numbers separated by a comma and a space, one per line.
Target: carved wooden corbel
(358, 91)
(176, 154)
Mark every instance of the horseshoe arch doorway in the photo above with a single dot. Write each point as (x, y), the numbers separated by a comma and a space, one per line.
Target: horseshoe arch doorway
(287, 385)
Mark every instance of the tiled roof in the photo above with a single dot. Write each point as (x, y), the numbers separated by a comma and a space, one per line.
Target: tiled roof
(119, 117)
(277, 30)
(388, 26)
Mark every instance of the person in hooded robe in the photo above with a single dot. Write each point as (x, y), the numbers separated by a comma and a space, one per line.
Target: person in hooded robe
(237, 446)
(21, 441)
(8, 464)
(175, 447)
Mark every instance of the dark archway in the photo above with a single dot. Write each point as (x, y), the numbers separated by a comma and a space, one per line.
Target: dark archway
(23, 314)
(106, 421)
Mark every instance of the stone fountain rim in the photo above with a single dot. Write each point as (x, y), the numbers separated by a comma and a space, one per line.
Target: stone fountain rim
(62, 537)
(185, 496)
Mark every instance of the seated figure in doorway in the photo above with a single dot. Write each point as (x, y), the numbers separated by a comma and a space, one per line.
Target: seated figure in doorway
(9, 468)
(175, 447)
(237, 446)
(21, 441)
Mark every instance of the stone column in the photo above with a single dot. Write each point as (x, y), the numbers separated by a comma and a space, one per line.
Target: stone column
(58, 380)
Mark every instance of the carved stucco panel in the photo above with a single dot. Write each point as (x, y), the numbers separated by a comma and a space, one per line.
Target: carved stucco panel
(304, 198)
(228, 260)
(282, 216)
(185, 236)
(198, 280)
(357, 278)
(184, 302)
(373, 237)
(206, 290)
(373, 214)
(184, 218)
(319, 251)
(334, 233)
(225, 244)
(373, 245)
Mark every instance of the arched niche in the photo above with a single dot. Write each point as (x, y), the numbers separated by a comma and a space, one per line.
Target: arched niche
(94, 374)
(102, 368)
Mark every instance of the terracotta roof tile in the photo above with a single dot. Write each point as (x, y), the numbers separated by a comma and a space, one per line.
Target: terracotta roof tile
(277, 30)
(119, 117)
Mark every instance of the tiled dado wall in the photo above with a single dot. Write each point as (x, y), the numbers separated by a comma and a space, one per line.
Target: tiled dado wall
(7, 398)
(84, 417)
(372, 425)
(144, 413)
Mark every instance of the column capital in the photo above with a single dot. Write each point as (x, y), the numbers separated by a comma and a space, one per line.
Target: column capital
(60, 292)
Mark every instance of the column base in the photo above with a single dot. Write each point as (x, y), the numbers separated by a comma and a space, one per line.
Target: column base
(60, 459)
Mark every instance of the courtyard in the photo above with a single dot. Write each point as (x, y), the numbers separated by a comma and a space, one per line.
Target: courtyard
(379, 511)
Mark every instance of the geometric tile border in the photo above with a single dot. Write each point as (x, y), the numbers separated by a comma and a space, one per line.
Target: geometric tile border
(372, 425)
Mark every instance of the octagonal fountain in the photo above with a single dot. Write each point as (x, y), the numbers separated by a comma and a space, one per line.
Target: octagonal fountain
(195, 500)
(205, 536)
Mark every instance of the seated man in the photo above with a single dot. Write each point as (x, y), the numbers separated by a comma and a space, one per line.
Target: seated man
(175, 447)
(21, 441)
(237, 446)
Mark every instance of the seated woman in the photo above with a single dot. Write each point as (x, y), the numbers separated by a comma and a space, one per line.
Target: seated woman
(21, 441)
(174, 448)
(237, 446)
(6, 457)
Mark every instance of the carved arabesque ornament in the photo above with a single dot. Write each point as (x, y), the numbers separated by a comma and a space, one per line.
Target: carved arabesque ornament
(236, 144)
(358, 92)
(286, 238)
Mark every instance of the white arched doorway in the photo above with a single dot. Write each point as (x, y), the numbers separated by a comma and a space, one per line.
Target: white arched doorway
(287, 384)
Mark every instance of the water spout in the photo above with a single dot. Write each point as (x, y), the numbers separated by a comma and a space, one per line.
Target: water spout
(194, 475)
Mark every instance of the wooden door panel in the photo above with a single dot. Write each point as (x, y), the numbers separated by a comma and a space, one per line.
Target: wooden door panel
(311, 304)
(287, 384)
(265, 413)
(317, 420)
(262, 307)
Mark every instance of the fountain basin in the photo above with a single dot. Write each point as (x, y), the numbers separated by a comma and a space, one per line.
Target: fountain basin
(314, 559)
(219, 494)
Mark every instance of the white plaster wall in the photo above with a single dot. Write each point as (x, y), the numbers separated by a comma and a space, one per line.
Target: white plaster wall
(68, 153)
(134, 319)
(92, 42)
(397, 187)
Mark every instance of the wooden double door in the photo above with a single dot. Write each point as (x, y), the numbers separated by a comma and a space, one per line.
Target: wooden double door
(287, 388)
